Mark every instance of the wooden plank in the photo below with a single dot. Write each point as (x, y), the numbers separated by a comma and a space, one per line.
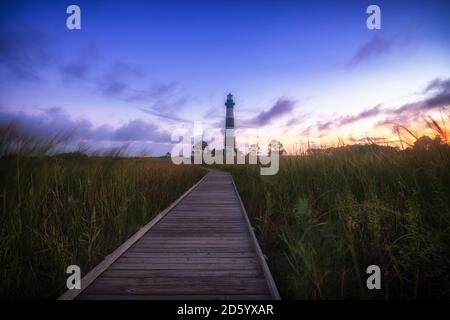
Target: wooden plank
(211, 285)
(201, 241)
(186, 261)
(213, 254)
(182, 273)
(175, 266)
(102, 266)
(191, 238)
(204, 248)
(271, 283)
(189, 250)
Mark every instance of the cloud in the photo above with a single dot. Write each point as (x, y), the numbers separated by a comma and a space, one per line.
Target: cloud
(114, 82)
(440, 85)
(82, 66)
(165, 116)
(113, 88)
(439, 99)
(409, 112)
(414, 110)
(50, 122)
(56, 121)
(298, 120)
(74, 71)
(375, 47)
(155, 92)
(164, 99)
(280, 108)
(139, 130)
(349, 119)
(307, 131)
(366, 114)
(23, 55)
(324, 126)
(121, 81)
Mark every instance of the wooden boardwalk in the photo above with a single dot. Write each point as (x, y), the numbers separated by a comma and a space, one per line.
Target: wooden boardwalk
(201, 247)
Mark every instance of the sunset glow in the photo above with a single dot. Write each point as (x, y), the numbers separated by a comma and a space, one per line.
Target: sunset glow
(241, 151)
(133, 74)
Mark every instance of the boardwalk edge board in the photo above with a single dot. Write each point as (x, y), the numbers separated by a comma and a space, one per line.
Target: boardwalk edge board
(261, 257)
(243, 253)
(112, 257)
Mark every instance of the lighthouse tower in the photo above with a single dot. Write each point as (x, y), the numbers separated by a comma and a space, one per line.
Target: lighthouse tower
(229, 126)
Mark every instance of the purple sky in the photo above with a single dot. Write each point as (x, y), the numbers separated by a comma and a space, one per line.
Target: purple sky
(137, 70)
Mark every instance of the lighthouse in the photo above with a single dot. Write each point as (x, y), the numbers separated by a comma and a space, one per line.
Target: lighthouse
(230, 144)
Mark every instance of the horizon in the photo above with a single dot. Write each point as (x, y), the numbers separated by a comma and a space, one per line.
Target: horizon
(298, 71)
(225, 150)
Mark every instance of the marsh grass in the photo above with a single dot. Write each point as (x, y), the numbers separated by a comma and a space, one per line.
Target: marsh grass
(321, 220)
(58, 210)
(325, 217)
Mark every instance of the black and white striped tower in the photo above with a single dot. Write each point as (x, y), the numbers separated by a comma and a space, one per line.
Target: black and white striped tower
(229, 125)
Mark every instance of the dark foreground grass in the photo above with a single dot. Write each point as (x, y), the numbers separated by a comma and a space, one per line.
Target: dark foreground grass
(325, 217)
(57, 211)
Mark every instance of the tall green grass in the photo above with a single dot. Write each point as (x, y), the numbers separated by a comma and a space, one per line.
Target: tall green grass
(61, 210)
(325, 217)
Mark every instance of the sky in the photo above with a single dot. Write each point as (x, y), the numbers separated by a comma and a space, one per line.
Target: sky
(137, 71)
